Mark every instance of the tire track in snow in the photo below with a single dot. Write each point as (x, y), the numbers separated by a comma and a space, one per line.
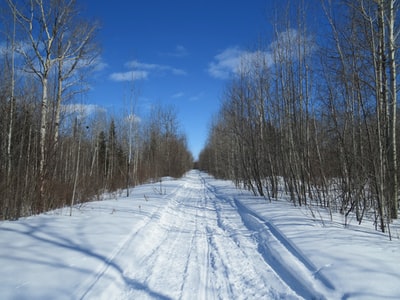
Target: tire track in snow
(197, 245)
(107, 264)
(196, 271)
(175, 234)
(225, 264)
(284, 257)
(199, 257)
(234, 244)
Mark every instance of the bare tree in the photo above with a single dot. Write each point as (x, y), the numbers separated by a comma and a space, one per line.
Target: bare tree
(391, 12)
(55, 40)
(39, 59)
(75, 50)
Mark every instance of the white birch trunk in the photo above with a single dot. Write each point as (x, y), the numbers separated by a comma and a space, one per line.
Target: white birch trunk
(392, 153)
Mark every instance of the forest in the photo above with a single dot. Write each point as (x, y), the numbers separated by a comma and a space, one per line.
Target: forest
(313, 115)
(54, 150)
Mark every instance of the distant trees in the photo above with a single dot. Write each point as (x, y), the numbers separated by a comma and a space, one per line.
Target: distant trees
(54, 153)
(164, 147)
(317, 114)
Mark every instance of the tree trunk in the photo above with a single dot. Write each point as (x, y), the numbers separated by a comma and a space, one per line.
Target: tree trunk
(392, 151)
(42, 140)
(58, 103)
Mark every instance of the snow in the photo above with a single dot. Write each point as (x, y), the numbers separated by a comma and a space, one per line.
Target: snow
(196, 238)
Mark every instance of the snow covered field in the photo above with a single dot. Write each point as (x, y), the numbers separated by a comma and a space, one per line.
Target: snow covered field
(201, 239)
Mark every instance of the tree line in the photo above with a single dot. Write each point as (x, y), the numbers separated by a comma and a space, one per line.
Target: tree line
(53, 152)
(313, 115)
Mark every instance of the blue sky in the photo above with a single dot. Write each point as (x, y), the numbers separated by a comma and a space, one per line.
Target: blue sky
(175, 52)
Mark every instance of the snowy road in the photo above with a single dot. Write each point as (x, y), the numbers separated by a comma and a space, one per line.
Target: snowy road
(192, 238)
(200, 246)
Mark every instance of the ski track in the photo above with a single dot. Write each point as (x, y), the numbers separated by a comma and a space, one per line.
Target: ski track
(84, 291)
(204, 245)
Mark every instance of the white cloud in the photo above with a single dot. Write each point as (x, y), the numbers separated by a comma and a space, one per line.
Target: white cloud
(179, 51)
(256, 58)
(196, 97)
(233, 60)
(81, 109)
(136, 65)
(177, 95)
(291, 44)
(99, 65)
(129, 76)
(132, 118)
(4, 49)
(288, 44)
(141, 70)
(189, 98)
(178, 72)
(225, 63)
(20, 47)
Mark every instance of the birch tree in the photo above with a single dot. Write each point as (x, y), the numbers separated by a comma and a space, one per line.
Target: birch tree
(39, 59)
(53, 40)
(392, 10)
(381, 16)
(75, 50)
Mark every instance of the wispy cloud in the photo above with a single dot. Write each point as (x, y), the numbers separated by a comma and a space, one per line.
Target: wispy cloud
(99, 64)
(20, 47)
(233, 60)
(133, 119)
(129, 76)
(141, 70)
(81, 109)
(225, 63)
(179, 51)
(196, 97)
(190, 98)
(286, 45)
(177, 95)
(178, 72)
(4, 49)
(136, 65)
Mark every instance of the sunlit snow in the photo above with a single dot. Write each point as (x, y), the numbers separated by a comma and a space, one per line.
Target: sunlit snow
(195, 238)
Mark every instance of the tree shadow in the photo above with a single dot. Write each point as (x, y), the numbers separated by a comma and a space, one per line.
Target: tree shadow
(38, 233)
